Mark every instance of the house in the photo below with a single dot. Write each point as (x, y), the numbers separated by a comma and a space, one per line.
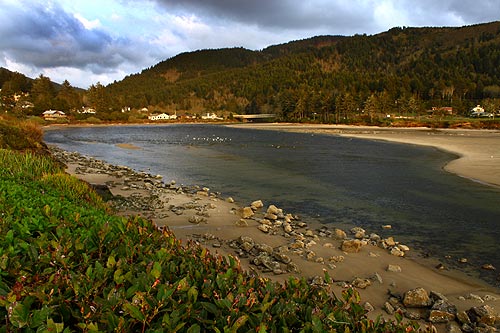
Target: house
(51, 115)
(478, 112)
(162, 116)
(211, 116)
(442, 110)
(87, 110)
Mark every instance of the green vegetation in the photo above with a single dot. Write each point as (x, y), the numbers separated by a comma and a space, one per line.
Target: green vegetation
(417, 76)
(68, 265)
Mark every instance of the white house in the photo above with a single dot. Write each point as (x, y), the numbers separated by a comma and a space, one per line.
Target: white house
(53, 115)
(211, 116)
(162, 116)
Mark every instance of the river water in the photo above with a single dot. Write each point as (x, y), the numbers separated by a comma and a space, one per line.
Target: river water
(333, 180)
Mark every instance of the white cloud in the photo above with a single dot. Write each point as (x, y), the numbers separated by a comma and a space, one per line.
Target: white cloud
(89, 25)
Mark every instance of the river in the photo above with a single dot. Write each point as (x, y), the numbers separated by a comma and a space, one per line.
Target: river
(333, 180)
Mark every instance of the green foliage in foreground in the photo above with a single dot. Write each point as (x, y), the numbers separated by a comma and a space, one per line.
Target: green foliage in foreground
(67, 265)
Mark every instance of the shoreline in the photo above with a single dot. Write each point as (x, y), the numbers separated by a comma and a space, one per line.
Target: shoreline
(477, 151)
(225, 228)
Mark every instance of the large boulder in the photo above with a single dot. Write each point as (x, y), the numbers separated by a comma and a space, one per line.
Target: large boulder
(247, 212)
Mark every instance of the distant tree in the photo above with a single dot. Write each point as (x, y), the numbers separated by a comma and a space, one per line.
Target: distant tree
(42, 94)
(68, 98)
(96, 97)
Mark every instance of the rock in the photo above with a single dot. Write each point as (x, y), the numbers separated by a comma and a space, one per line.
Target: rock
(247, 213)
(246, 246)
(475, 298)
(403, 248)
(243, 239)
(241, 223)
(216, 245)
(309, 233)
(351, 246)
(453, 327)
(463, 260)
(197, 219)
(397, 252)
(264, 228)
(488, 267)
(271, 216)
(442, 312)
(282, 258)
(436, 296)
(257, 204)
(328, 245)
(272, 209)
(389, 241)
(264, 248)
(463, 318)
(310, 255)
(412, 315)
(361, 283)
(266, 222)
(388, 308)
(359, 233)
(336, 258)
(417, 298)
(230, 200)
(377, 277)
(374, 255)
(340, 234)
(287, 227)
(387, 227)
(375, 237)
(368, 307)
(482, 314)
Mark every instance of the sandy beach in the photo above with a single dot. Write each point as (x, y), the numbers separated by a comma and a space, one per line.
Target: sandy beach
(224, 227)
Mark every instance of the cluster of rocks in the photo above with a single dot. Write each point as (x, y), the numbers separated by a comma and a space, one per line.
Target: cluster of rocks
(418, 304)
(264, 257)
(130, 180)
(360, 238)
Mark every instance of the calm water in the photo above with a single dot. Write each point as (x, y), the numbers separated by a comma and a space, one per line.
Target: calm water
(333, 180)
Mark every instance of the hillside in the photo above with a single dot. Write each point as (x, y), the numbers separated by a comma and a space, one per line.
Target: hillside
(403, 70)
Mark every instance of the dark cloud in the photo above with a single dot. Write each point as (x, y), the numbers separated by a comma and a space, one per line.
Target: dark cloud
(339, 16)
(45, 36)
(280, 14)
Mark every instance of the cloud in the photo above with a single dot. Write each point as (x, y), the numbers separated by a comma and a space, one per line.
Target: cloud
(44, 36)
(107, 40)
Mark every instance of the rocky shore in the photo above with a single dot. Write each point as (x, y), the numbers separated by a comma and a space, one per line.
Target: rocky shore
(276, 244)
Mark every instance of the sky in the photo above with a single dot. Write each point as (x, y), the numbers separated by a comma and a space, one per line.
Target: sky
(90, 41)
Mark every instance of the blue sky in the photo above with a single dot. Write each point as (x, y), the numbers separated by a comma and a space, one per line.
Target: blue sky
(89, 41)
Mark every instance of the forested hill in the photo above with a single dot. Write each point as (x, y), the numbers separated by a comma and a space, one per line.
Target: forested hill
(328, 77)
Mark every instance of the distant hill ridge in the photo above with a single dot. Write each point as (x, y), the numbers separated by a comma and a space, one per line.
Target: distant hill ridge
(433, 66)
